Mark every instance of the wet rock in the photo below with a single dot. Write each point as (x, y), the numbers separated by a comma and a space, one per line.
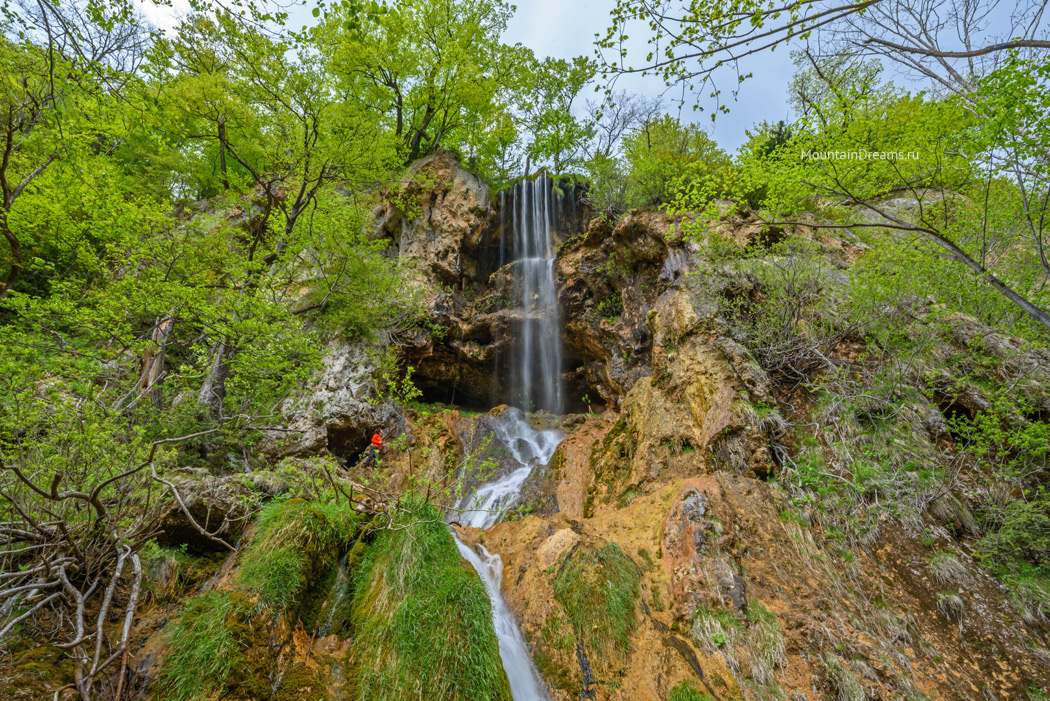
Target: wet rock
(732, 586)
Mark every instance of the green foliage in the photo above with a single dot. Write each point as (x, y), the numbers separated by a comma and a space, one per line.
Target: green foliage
(611, 307)
(599, 589)
(660, 154)
(688, 691)
(660, 157)
(422, 619)
(205, 643)
(295, 550)
(558, 136)
(434, 72)
(785, 324)
(356, 286)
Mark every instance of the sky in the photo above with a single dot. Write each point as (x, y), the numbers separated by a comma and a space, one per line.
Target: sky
(565, 29)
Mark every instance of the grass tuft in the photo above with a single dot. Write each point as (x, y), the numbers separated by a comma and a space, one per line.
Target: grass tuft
(845, 683)
(295, 552)
(687, 691)
(599, 589)
(203, 645)
(422, 620)
(768, 648)
(946, 568)
(951, 605)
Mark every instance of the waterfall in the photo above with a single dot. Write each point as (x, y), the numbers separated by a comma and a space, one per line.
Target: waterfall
(525, 683)
(535, 385)
(529, 448)
(536, 367)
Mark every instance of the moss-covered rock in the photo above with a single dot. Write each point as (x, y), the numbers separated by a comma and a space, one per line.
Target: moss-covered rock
(600, 584)
(422, 621)
(293, 559)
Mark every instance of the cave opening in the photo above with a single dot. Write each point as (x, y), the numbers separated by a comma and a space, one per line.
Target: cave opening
(348, 444)
(958, 416)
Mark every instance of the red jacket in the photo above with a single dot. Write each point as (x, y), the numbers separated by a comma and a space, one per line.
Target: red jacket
(377, 441)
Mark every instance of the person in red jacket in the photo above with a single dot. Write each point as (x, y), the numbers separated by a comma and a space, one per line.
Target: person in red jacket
(373, 450)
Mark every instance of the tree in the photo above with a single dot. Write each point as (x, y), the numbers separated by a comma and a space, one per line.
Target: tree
(431, 68)
(280, 123)
(662, 152)
(689, 40)
(548, 106)
(702, 36)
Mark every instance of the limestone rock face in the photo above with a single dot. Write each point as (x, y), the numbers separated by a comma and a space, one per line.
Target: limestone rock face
(437, 218)
(220, 505)
(338, 412)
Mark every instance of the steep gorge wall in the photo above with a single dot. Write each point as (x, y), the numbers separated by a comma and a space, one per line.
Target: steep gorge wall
(739, 590)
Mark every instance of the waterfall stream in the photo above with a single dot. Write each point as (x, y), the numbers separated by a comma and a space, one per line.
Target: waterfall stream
(535, 383)
(529, 448)
(537, 364)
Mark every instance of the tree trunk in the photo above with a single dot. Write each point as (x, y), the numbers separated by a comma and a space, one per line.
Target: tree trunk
(222, 152)
(16, 255)
(153, 363)
(213, 390)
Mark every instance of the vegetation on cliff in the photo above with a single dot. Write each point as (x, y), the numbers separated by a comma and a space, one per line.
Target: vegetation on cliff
(220, 271)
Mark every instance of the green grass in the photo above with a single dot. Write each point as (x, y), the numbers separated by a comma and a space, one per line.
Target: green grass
(422, 621)
(292, 559)
(1029, 589)
(204, 644)
(843, 680)
(687, 691)
(599, 590)
(768, 647)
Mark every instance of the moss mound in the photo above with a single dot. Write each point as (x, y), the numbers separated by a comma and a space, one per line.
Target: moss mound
(599, 590)
(293, 559)
(206, 643)
(422, 620)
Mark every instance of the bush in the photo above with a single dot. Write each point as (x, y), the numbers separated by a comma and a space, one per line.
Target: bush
(784, 318)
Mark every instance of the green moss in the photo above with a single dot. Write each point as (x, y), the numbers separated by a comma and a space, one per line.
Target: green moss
(558, 676)
(300, 683)
(36, 672)
(205, 642)
(687, 691)
(292, 561)
(610, 462)
(422, 620)
(599, 590)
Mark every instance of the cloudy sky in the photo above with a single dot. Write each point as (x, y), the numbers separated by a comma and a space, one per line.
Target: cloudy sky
(566, 29)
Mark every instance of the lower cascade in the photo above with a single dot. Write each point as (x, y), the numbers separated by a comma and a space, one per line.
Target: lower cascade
(529, 448)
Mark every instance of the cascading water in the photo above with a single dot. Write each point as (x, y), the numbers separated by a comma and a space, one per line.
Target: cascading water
(529, 448)
(537, 365)
(535, 382)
